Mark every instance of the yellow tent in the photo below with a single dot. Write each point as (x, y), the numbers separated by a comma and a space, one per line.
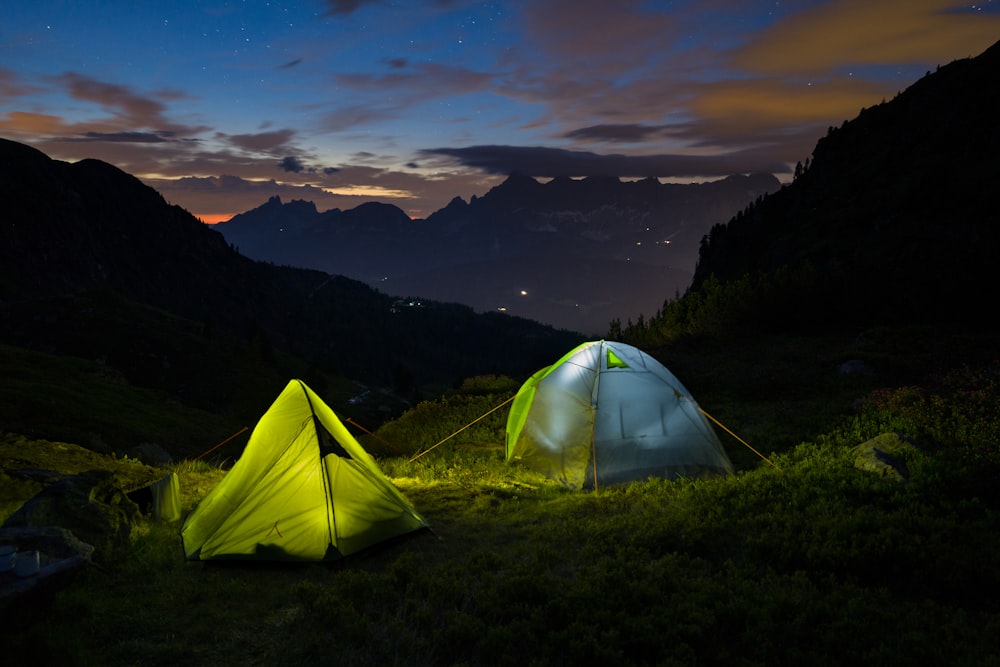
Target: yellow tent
(304, 489)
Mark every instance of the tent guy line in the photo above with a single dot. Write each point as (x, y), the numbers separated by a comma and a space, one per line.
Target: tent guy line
(483, 416)
(738, 438)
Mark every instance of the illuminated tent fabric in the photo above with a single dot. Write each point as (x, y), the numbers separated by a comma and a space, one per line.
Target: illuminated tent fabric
(304, 489)
(609, 411)
(167, 498)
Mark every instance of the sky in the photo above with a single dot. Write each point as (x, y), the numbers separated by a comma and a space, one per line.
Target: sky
(222, 104)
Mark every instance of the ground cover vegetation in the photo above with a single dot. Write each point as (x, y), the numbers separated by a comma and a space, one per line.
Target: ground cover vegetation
(800, 559)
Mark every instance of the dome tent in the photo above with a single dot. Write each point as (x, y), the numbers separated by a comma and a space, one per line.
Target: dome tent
(608, 413)
(304, 489)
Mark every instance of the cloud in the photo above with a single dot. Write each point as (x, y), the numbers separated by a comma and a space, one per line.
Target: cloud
(745, 111)
(426, 80)
(135, 110)
(292, 164)
(295, 165)
(344, 7)
(357, 115)
(545, 162)
(132, 117)
(856, 33)
(29, 123)
(11, 85)
(627, 132)
(127, 137)
(596, 31)
(264, 142)
(336, 7)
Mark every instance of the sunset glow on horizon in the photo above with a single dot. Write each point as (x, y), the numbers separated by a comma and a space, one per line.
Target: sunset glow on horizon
(222, 106)
(215, 218)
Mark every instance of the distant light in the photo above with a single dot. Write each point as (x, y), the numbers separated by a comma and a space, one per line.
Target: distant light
(502, 309)
(524, 293)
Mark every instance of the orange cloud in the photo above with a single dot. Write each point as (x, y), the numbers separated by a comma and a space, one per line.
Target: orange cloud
(32, 123)
(746, 107)
(869, 32)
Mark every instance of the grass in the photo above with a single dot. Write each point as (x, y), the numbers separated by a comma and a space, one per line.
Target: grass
(812, 562)
(816, 564)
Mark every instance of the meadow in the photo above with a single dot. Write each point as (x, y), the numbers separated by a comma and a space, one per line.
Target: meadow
(803, 558)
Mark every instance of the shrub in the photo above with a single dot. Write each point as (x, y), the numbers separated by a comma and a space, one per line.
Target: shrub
(956, 412)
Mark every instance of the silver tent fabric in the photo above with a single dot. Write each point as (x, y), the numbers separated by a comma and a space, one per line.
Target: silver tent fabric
(610, 413)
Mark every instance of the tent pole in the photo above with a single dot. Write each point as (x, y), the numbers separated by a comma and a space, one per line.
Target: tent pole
(593, 457)
(602, 360)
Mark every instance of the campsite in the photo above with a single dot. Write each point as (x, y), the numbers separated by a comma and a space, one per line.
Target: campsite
(814, 558)
(838, 341)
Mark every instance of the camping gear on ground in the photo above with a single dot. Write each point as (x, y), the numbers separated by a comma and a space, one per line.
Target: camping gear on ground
(608, 413)
(304, 489)
(166, 498)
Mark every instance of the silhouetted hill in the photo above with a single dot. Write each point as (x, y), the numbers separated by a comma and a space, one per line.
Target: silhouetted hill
(895, 218)
(95, 264)
(570, 244)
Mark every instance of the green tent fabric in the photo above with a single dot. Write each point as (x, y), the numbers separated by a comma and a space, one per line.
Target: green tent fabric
(608, 413)
(304, 489)
(167, 498)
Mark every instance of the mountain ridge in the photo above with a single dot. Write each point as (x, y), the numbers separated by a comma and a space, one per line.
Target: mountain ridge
(624, 231)
(87, 245)
(894, 220)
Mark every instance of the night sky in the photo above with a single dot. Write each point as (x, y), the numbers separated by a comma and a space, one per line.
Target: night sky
(221, 104)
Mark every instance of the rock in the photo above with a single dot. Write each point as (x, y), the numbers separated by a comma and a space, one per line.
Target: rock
(882, 455)
(151, 454)
(92, 505)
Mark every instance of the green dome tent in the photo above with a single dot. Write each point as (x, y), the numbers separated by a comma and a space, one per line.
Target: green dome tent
(608, 413)
(304, 489)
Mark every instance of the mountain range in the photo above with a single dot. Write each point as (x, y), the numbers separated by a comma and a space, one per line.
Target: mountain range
(96, 265)
(108, 292)
(572, 253)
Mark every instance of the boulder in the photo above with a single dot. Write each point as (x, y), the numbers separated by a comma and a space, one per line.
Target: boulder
(92, 505)
(151, 454)
(883, 455)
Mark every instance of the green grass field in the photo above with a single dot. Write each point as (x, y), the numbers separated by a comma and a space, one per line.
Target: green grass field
(809, 561)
